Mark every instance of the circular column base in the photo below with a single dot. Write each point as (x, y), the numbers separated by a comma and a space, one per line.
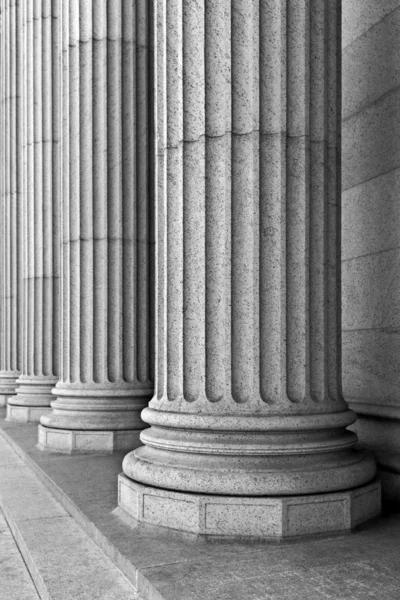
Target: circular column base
(32, 399)
(26, 414)
(87, 441)
(266, 517)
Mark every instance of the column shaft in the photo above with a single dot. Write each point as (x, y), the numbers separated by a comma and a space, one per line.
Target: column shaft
(248, 395)
(105, 357)
(11, 210)
(41, 282)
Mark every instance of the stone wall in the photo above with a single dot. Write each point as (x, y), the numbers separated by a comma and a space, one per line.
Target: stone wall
(371, 227)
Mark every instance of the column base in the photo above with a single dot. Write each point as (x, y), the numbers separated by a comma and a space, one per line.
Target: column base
(32, 399)
(25, 414)
(87, 441)
(273, 517)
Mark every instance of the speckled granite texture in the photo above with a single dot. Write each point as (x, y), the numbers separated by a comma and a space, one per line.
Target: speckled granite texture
(170, 566)
(63, 562)
(11, 190)
(106, 366)
(370, 228)
(40, 241)
(170, 201)
(248, 396)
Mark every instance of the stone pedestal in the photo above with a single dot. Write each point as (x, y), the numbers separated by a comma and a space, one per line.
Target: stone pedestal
(106, 377)
(41, 260)
(266, 517)
(248, 410)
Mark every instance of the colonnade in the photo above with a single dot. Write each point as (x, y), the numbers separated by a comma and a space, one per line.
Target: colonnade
(238, 189)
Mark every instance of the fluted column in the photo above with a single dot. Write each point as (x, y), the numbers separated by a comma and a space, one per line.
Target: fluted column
(12, 197)
(41, 280)
(3, 170)
(105, 355)
(248, 396)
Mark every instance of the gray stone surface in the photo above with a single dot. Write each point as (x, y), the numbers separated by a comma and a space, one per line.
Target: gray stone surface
(361, 15)
(15, 580)
(370, 226)
(171, 566)
(371, 143)
(248, 396)
(256, 517)
(371, 65)
(372, 307)
(371, 367)
(62, 560)
(18, 482)
(370, 216)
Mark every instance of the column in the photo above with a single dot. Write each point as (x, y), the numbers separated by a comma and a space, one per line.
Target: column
(12, 197)
(106, 377)
(41, 283)
(248, 423)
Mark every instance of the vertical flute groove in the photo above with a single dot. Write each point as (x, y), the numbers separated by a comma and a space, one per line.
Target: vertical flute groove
(29, 292)
(115, 264)
(141, 132)
(65, 366)
(297, 207)
(318, 208)
(54, 368)
(334, 276)
(86, 250)
(272, 195)
(6, 232)
(175, 189)
(45, 274)
(131, 190)
(243, 263)
(2, 172)
(100, 277)
(194, 200)
(4, 240)
(217, 108)
(37, 209)
(13, 200)
(73, 200)
(21, 171)
(160, 199)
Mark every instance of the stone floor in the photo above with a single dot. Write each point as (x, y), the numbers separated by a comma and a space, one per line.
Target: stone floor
(15, 580)
(165, 566)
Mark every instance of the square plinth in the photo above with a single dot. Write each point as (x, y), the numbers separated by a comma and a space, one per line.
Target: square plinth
(26, 414)
(4, 399)
(85, 442)
(255, 517)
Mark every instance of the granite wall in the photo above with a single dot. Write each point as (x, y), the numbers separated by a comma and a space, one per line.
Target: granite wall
(371, 227)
